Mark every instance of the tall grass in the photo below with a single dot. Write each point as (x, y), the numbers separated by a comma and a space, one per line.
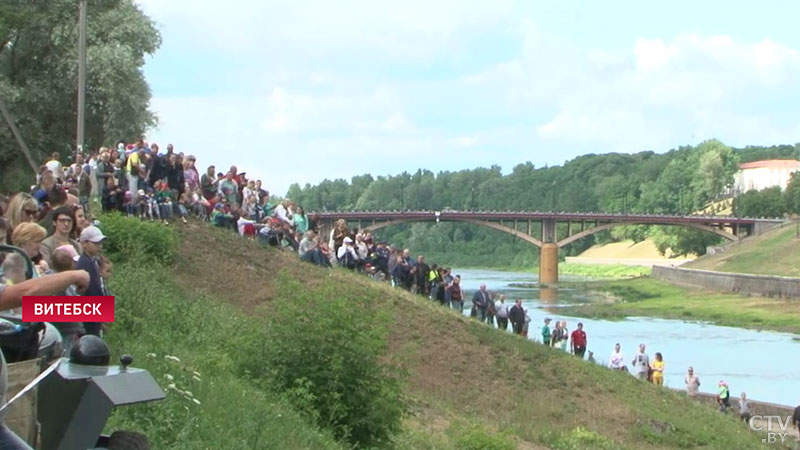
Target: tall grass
(191, 346)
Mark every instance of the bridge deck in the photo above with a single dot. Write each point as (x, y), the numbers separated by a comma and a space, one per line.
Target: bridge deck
(656, 219)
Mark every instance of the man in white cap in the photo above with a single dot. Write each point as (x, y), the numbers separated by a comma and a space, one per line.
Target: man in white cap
(92, 243)
(347, 255)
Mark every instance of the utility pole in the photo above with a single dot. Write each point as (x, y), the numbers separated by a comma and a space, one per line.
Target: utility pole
(81, 75)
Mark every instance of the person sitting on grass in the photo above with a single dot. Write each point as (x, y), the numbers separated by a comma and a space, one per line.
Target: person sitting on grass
(309, 250)
(220, 218)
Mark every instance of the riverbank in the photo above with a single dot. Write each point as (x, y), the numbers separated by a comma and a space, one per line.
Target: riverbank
(592, 271)
(647, 297)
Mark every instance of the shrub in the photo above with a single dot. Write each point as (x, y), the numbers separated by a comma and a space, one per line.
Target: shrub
(129, 238)
(324, 351)
(479, 439)
(581, 438)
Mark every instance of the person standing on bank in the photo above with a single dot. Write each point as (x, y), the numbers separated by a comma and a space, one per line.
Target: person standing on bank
(92, 243)
(692, 382)
(744, 408)
(658, 369)
(641, 362)
(480, 301)
(502, 312)
(546, 332)
(517, 316)
(579, 341)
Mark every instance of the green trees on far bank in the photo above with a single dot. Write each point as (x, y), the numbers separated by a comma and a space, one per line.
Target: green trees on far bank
(770, 202)
(681, 181)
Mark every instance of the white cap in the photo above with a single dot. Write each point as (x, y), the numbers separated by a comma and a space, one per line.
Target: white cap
(92, 234)
(348, 240)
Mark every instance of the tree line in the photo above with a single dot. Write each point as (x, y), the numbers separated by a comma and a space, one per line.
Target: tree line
(681, 181)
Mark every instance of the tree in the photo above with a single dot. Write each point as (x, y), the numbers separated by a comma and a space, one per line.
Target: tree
(38, 77)
(765, 203)
(792, 194)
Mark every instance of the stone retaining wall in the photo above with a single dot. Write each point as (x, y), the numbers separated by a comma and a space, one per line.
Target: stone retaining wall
(761, 285)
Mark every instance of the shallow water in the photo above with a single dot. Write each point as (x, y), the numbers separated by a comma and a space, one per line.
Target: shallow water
(764, 364)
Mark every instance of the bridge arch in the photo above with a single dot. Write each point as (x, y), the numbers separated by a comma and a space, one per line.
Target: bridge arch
(483, 223)
(563, 242)
(607, 226)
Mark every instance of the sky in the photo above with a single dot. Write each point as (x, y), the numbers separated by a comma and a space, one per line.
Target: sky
(296, 92)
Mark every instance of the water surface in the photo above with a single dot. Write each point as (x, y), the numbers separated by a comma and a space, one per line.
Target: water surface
(765, 364)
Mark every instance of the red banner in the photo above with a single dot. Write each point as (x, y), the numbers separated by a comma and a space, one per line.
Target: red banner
(49, 308)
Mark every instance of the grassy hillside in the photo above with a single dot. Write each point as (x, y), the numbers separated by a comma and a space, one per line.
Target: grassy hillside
(465, 386)
(776, 252)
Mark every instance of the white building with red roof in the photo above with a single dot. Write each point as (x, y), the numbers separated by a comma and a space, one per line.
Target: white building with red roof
(760, 175)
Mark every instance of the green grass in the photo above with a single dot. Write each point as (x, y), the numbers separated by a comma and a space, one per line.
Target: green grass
(467, 386)
(157, 318)
(776, 252)
(593, 271)
(600, 271)
(652, 298)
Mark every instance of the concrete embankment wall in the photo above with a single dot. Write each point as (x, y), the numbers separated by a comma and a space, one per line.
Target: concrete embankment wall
(756, 407)
(761, 285)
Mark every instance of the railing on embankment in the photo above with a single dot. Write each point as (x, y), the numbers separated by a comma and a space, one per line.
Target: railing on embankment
(761, 285)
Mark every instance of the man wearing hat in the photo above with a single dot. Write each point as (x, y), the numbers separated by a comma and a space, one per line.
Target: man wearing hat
(92, 243)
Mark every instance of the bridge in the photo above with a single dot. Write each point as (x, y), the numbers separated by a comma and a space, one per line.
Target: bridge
(548, 230)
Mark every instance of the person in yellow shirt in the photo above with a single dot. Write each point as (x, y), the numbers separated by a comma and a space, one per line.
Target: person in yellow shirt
(658, 370)
(132, 169)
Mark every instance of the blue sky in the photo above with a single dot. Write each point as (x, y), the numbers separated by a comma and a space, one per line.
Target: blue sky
(302, 91)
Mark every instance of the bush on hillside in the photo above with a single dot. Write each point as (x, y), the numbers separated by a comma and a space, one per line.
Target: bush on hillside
(324, 350)
(475, 438)
(129, 237)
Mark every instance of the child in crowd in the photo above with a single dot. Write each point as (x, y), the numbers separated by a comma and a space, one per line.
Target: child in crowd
(183, 201)
(106, 269)
(250, 208)
(164, 200)
(131, 204)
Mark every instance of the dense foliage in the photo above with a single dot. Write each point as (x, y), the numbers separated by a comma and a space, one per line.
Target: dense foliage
(324, 351)
(39, 73)
(681, 181)
(135, 239)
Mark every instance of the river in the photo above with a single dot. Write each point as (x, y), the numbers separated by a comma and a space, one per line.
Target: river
(764, 364)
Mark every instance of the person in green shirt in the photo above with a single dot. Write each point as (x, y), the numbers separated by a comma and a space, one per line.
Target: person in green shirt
(300, 220)
(546, 332)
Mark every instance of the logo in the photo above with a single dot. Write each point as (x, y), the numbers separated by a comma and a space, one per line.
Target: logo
(776, 427)
(67, 309)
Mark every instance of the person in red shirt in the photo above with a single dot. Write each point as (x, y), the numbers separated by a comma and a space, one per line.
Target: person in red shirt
(579, 341)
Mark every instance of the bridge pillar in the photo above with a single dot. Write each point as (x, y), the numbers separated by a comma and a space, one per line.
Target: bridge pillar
(548, 254)
(548, 264)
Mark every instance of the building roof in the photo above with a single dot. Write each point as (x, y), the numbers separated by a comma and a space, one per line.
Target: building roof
(772, 164)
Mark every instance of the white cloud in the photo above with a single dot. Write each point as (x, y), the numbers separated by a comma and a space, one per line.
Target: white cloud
(362, 86)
